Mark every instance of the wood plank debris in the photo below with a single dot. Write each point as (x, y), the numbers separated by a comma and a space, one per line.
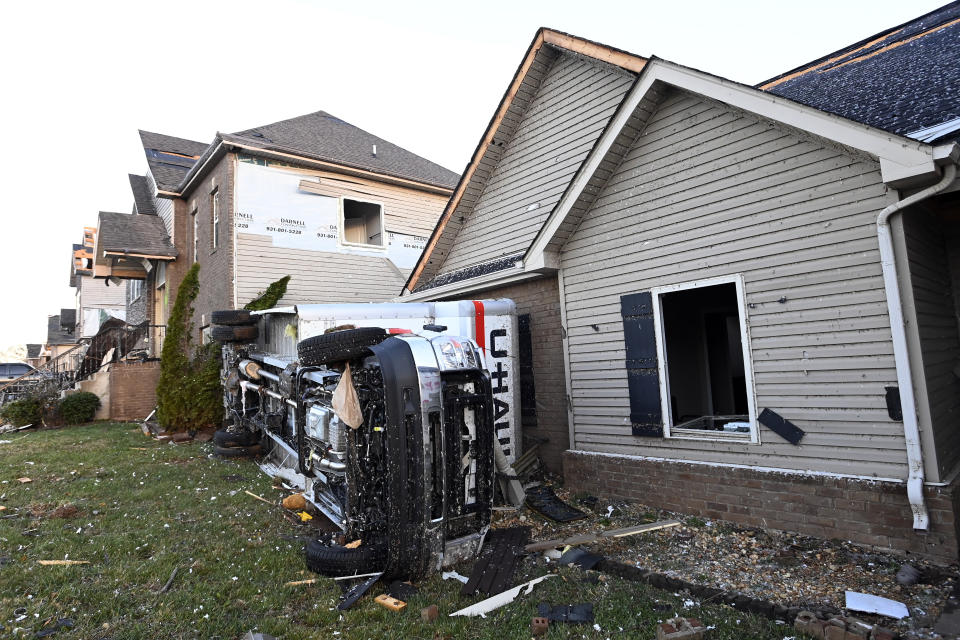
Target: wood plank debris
(389, 602)
(600, 535)
(297, 583)
(253, 495)
(62, 562)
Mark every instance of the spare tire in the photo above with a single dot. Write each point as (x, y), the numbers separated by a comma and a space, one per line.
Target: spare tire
(238, 452)
(224, 438)
(334, 560)
(339, 345)
(231, 317)
(247, 333)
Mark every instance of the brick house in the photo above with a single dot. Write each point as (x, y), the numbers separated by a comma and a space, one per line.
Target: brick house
(752, 300)
(341, 211)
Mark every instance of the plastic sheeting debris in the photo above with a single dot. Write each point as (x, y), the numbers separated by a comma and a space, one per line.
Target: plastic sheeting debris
(876, 604)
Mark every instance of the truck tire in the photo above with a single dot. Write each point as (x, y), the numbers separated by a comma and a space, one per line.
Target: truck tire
(334, 560)
(234, 333)
(231, 317)
(224, 438)
(238, 452)
(339, 345)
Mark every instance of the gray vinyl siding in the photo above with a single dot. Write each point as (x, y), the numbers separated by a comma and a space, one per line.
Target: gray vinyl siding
(706, 191)
(933, 296)
(572, 105)
(315, 276)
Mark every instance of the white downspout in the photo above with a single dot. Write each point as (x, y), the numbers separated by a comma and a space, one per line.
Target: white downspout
(911, 430)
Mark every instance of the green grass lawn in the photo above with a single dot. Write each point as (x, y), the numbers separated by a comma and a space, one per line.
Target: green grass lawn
(145, 508)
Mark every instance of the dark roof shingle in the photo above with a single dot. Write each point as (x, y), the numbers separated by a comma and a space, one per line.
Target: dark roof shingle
(142, 196)
(170, 158)
(323, 136)
(901, 80)
(133, 233)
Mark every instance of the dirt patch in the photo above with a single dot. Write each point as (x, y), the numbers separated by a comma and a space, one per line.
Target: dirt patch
(65, 512)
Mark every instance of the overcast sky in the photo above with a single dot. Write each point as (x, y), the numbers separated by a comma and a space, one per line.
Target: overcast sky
(79, 79)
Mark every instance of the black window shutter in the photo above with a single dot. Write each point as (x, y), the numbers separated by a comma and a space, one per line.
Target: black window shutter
(643, 377)
(528, 392)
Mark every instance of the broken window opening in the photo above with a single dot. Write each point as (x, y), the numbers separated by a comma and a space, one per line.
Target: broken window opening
(362, 223)
(701, 338)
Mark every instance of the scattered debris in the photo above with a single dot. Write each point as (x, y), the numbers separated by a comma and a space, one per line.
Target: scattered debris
(62, 623)
(484, 607)
(253, 495)
(296, 583)
(544, 501)
(539, 626)
(453, 575)
(583, 559)
(402, 590)
(600, 535)
(250, 635)
(356, 592)
(390, 602)
(876, 604)
(166, 587)
(429, 614)
(908, 575)
(24, 480)
(681, 628)
(575, 613)
(294, 502)
(359, 575)
(353, 545)
(840, 627)
(493, 570)
(62, 562)
(528, 463)
(304, 516)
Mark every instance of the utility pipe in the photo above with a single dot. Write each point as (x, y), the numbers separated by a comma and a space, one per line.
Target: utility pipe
(911, 430)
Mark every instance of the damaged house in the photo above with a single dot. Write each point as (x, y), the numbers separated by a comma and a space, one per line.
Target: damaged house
(741, 301)
(341, 211)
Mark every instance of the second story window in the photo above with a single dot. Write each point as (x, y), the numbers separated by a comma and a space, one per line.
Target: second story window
(362, 223)
(196, 237)
(215, 205)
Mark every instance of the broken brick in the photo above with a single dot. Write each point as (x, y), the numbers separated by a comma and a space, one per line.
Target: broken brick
(429, 614)
(539, 626)
(681, 629)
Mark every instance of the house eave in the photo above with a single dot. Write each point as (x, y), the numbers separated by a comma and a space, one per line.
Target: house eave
(473, 285)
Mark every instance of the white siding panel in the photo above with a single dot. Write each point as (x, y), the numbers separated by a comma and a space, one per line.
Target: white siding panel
(706, 192)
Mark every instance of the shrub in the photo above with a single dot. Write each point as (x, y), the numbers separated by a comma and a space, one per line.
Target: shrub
(78, 408)
(269, 298)
(188, 391)
(24, 411)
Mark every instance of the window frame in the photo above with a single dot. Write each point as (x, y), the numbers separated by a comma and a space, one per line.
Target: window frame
(215, 219)
(137, 289)
(196, 236)
(663, 367)
(342, 242)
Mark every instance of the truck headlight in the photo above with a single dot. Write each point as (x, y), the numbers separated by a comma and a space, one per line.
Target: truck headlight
(455, 353)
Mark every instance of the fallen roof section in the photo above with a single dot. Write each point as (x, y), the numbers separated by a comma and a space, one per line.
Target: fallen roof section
(901, 80)
(170, 158)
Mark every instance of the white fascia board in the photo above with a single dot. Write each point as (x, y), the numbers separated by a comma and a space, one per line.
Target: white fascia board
(902, 160)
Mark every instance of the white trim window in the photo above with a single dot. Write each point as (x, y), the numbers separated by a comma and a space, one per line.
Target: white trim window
(215, 205)
(703, 354)
(362, 224)
(196, 236)
(136, 289)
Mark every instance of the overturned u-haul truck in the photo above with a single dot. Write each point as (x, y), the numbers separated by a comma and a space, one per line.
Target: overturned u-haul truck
(386, 415)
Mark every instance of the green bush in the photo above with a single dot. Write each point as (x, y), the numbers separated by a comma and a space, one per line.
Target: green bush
(189, 396)
(23, 412)
(269, 298)
(78, 408)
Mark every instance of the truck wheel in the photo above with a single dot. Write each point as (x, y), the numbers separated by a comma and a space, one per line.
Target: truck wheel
(237, 452)
(231, 317)
(224, 438)
(334, 560)
(339, 345)
(234, 334)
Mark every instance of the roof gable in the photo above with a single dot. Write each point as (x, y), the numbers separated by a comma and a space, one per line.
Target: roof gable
(142, 194)
(136, 234)
(547, 46)
(901, 80)
(324, 136)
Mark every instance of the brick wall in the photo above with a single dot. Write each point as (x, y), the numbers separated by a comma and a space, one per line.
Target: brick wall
(216, 265)
(541, 299)
(872, 513)
(133, 389)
